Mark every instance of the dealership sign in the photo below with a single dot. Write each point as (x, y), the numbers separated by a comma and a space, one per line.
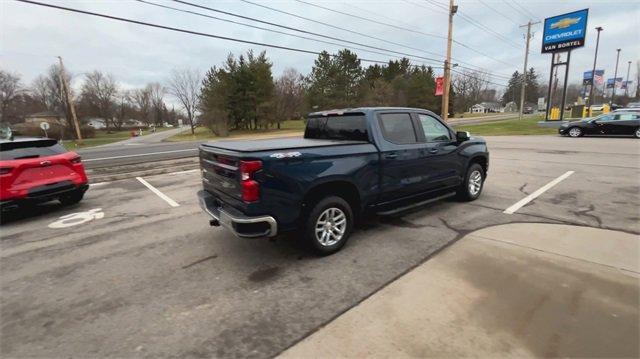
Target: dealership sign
(565, 32)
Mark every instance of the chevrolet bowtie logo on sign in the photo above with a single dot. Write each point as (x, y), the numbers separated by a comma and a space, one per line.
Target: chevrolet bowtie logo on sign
(565, 32)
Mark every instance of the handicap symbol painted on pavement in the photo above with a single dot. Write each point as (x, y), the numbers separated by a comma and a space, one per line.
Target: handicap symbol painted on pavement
(77, 218)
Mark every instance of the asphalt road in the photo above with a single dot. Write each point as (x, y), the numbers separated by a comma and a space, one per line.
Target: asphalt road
(149, 148)
(139, 276)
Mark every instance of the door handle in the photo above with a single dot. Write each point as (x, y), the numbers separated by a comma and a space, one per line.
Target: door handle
(433, 150)
(391, 155)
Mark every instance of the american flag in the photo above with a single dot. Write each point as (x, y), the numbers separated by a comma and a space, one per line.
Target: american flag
(599, 77)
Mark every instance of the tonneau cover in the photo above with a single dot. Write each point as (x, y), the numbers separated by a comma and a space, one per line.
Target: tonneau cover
(275, 144)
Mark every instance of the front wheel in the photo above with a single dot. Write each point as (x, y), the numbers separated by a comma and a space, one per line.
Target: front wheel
(329, 225)
(575, 132)
(473, 183)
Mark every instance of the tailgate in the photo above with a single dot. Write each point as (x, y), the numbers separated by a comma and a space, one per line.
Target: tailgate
(220, 172)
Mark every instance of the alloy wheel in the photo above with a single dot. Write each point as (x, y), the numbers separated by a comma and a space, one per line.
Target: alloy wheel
(330, 226)
(575, 132)
(475, 183)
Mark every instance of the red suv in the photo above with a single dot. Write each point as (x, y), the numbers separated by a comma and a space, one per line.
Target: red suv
(35, 170)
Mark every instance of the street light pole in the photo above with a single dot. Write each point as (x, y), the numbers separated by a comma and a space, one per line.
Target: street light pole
(626, 83)
(615, 75)
(593, 72)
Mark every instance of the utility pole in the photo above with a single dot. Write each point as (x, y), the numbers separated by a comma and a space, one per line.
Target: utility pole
(593, 72)
(626, 83)
(67, 93)
(526, 59)
(447, 63)
(615, 75)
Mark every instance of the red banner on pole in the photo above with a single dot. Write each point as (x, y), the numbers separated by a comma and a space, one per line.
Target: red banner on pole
(439, 86)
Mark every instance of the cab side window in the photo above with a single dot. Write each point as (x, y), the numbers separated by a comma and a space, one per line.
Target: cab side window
(434, 131)
(398, 128)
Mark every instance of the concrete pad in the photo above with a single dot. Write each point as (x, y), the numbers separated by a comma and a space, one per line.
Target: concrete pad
(611, 248)
(498, 297)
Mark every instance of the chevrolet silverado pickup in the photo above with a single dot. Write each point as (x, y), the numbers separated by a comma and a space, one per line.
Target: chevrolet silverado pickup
(350, 163)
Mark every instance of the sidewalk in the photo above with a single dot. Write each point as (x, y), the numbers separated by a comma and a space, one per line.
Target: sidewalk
(514, 290)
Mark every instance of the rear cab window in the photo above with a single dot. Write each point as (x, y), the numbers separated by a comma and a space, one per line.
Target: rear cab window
(24, 149)
(352, 127)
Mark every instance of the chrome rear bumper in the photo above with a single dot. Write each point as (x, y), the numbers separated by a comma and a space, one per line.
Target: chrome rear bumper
(239, 224)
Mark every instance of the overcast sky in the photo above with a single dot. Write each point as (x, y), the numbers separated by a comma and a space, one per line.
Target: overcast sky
(32, 35)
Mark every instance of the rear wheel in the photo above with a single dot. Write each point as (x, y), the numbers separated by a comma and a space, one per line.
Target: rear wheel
(473, 183)
(575, 132)
(71, 198)
(329, 225)
(637, 133)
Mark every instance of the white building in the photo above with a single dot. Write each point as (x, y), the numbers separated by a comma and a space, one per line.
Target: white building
(486, 107)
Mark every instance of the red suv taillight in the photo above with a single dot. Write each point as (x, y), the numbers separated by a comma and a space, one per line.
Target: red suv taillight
(75, 160)
(250, 187)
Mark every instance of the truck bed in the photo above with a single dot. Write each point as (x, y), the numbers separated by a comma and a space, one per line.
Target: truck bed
(271, 144)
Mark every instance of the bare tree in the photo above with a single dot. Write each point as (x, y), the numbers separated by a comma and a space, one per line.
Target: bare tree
(157, 93)
(289, 95)
(142, 100)
(47, 90)
(100, 91)
(184, 84)
(10, 88)
(470, 87)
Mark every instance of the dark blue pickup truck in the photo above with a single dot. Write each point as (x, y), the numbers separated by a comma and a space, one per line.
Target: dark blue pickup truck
(350, 163)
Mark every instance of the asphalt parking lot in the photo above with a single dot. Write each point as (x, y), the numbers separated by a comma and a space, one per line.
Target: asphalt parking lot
(142, 274)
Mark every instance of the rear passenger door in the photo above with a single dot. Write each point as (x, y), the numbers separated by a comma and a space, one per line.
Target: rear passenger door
(400, 156)
(626, 123)
(440, 156)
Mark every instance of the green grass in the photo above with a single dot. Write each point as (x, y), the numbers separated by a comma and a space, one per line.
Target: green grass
(528, 126)
(203, 133)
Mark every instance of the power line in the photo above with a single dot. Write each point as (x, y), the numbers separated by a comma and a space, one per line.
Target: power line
(371, 20)
(301, 30)
(477, 24)
(267, 29)
(497, 12)
(394, 26)
(338, 27)
(379, 39)
(175, 29)
(526, 11)
(170, 28)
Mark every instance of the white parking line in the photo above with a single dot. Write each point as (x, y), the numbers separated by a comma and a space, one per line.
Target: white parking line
(138, 155)
(166, 198)
(534, 195)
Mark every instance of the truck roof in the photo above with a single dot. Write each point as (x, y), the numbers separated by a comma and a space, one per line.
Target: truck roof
(363, 110)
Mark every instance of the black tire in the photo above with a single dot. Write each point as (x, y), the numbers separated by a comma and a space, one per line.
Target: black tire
(636, 133)
(325, 204)
(575, 132)
(465, 192)
(71, 198)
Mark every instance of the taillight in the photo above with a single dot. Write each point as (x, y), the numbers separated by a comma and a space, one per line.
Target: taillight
(76, 159)
(250, 187)
(5, 170)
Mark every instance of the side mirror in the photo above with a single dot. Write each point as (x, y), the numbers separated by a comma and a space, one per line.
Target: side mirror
(462, 136)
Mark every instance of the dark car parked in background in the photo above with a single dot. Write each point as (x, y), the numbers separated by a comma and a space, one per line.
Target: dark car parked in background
(350, 162)
(35, 170)
(617, 123)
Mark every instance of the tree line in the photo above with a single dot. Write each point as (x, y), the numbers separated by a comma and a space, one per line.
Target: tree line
(243, 94)
(99, 96)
